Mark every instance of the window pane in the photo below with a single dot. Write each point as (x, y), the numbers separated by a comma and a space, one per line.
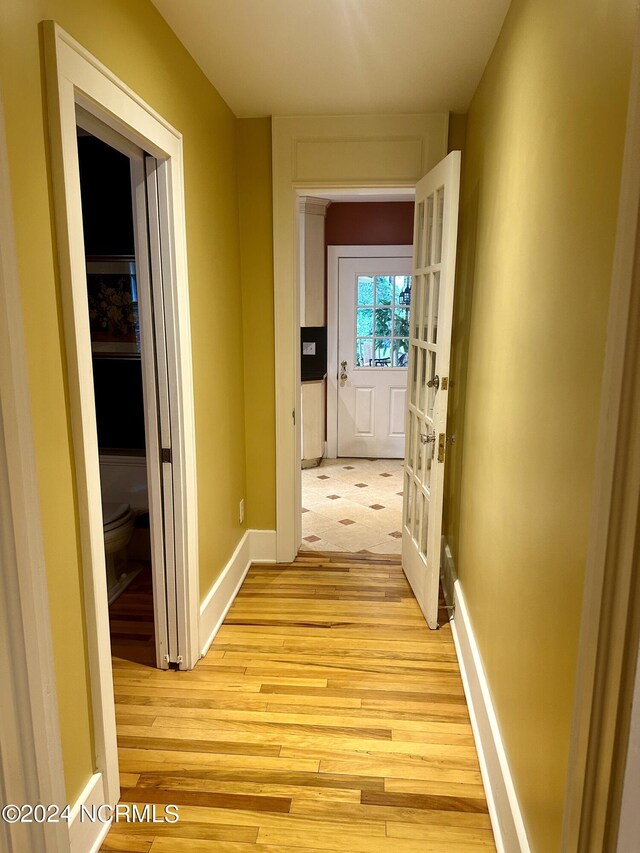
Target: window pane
(364, 352)
(434, 307)
(382, 357)
(425, 308)
(424, 532)
(384, 289)
(415, 367)
(364, 322)
(403, 289)
(426, 376)
(401, 323)
(408, 448)
(416, 307)
(400, 352)
(420, 234)
(383, 322)
(432, 390)
(426, 474)
(365, 290)
(439, 223)
(408, 506)
(419, 456)
(429, 231)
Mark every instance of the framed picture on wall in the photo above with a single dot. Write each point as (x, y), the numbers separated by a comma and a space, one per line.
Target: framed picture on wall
(113, 305)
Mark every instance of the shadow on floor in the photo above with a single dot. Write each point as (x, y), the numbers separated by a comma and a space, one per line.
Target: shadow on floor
(131, 621)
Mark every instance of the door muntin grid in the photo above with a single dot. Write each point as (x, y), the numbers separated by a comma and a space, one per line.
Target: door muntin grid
(382, 321)
(423, 350)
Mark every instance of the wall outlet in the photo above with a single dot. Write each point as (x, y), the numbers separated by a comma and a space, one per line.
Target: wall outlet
(241, 512)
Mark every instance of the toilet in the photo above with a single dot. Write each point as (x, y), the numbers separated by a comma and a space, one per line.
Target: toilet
(118, 525)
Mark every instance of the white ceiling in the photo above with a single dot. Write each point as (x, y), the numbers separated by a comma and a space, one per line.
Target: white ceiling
(318, 57)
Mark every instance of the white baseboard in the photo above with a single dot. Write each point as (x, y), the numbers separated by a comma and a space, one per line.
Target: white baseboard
(262, 546)
(86, 836)
(256, 546)
(504, 809)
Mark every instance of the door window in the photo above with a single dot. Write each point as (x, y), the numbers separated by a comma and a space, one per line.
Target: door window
(382, 320)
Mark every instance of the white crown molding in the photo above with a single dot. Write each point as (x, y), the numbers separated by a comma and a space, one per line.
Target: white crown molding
(314, 206)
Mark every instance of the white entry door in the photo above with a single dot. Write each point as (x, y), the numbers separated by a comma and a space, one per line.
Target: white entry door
(434, 263)
(373, 348)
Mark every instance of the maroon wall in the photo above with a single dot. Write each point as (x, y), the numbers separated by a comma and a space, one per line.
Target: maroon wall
(369, 223)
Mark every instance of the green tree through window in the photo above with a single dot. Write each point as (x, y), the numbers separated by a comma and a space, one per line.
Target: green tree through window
(382, 320)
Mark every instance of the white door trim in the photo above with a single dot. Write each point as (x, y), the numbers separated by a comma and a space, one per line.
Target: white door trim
(150, 356)
(31, 769)
(314, 155)
(608, 648)
(334, 255)
(75, 77)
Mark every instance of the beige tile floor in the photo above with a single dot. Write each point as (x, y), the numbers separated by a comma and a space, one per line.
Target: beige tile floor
(353, 505)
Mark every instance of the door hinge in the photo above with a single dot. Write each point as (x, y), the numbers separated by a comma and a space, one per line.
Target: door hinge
(442, 440)
(293, 415)
(165, 455)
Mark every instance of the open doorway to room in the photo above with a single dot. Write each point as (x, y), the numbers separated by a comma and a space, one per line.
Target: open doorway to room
(355, 275)
(131, 394)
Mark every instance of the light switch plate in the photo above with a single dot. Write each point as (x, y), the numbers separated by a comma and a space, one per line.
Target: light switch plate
(308, 348)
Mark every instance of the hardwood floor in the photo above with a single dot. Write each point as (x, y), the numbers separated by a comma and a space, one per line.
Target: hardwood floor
(325, 717)
(131, 624)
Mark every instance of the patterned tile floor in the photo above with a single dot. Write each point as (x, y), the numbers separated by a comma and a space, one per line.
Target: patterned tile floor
(353, 505)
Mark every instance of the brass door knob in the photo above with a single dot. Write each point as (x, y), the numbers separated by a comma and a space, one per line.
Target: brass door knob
(427, 439)
(434, 383)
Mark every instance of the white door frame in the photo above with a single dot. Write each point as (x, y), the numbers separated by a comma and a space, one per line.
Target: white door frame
(31, 768)
(314, 156)
(74, 77)
(151, 385)
(334, 256)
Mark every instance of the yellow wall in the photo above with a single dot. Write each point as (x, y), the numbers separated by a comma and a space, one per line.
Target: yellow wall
(457, 131)
(131, 38)
(542, 167)
(256, 254)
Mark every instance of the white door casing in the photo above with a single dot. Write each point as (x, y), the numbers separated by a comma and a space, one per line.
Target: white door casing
(435, 239)
(372, 373)
(74, 77)
(154, 382)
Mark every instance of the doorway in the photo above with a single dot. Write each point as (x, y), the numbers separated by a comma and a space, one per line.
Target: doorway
(352, 500)
(367, 305)
(130, 393)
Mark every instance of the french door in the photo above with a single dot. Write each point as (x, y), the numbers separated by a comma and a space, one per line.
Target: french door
(434, 261)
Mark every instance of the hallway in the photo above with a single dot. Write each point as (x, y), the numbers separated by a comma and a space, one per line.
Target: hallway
(326, 716)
